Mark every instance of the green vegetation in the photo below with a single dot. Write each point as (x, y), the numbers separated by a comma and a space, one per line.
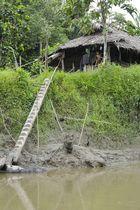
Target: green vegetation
(113, 94)
(31, 29)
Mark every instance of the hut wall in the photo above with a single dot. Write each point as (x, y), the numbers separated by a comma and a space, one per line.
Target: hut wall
(124, 56)
(114, 54)
(73, 58)
(121, 56)
(138, 60)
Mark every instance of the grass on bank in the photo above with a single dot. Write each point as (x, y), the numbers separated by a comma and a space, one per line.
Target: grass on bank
(113, 94)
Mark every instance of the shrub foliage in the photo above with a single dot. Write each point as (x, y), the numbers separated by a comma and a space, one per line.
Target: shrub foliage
(113, 94)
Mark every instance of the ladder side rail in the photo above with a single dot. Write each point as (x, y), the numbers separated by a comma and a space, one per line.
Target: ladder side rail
(15, 153)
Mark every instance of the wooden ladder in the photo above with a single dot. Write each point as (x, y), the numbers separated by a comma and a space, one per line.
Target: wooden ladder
(15, 153)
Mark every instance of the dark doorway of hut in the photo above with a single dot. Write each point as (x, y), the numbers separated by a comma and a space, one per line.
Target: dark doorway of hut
(83, 59)
(89, 58)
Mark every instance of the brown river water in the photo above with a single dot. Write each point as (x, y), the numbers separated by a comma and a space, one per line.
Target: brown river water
(115, 188)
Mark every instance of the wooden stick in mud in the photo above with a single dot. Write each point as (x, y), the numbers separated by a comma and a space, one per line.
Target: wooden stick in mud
(83, 124)
(38, 139)
(4, 124)
(56, 116)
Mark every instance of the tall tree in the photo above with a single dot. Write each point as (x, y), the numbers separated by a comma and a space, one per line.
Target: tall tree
(132, 27)
(14, 20)
(135, 25)
(29, 28)
(77, 20)
(103, 10)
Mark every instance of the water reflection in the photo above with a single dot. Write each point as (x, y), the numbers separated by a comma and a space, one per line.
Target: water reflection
(72, 190)
(15, 184)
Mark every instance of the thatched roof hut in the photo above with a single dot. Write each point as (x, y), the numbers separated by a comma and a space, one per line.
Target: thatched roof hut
(122, 48)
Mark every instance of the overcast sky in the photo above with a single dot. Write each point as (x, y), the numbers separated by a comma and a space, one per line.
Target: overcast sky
(136, 3)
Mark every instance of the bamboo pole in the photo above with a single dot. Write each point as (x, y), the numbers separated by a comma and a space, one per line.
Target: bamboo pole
(38, 139)
(56, 116)
(83, 126)
(15, 153)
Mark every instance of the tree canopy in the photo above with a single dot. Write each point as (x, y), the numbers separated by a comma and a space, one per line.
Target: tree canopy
(33, 28)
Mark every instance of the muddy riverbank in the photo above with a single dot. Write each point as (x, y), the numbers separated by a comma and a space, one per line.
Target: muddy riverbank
(55, 155)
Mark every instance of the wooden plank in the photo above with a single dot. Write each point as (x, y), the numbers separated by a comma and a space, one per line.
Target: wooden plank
(54, 56)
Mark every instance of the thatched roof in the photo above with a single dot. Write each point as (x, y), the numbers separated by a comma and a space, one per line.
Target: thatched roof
(119, 38)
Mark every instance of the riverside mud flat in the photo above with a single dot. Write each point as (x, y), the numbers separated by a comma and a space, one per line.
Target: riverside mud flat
(55, 156)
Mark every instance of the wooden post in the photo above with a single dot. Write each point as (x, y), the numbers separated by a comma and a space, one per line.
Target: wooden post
(105, 33)
(40, 48)
(62, 61)
(83, 126)
(120, 57)
(108, 53)
(20, 62)
(73, 66)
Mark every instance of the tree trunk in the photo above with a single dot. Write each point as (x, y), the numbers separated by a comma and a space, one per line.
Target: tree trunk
(105, 29)
(14, 55)
(120, 56)
(46, 54)
(40, 48)
(40, 52)
(108, 53)
(105, 32)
